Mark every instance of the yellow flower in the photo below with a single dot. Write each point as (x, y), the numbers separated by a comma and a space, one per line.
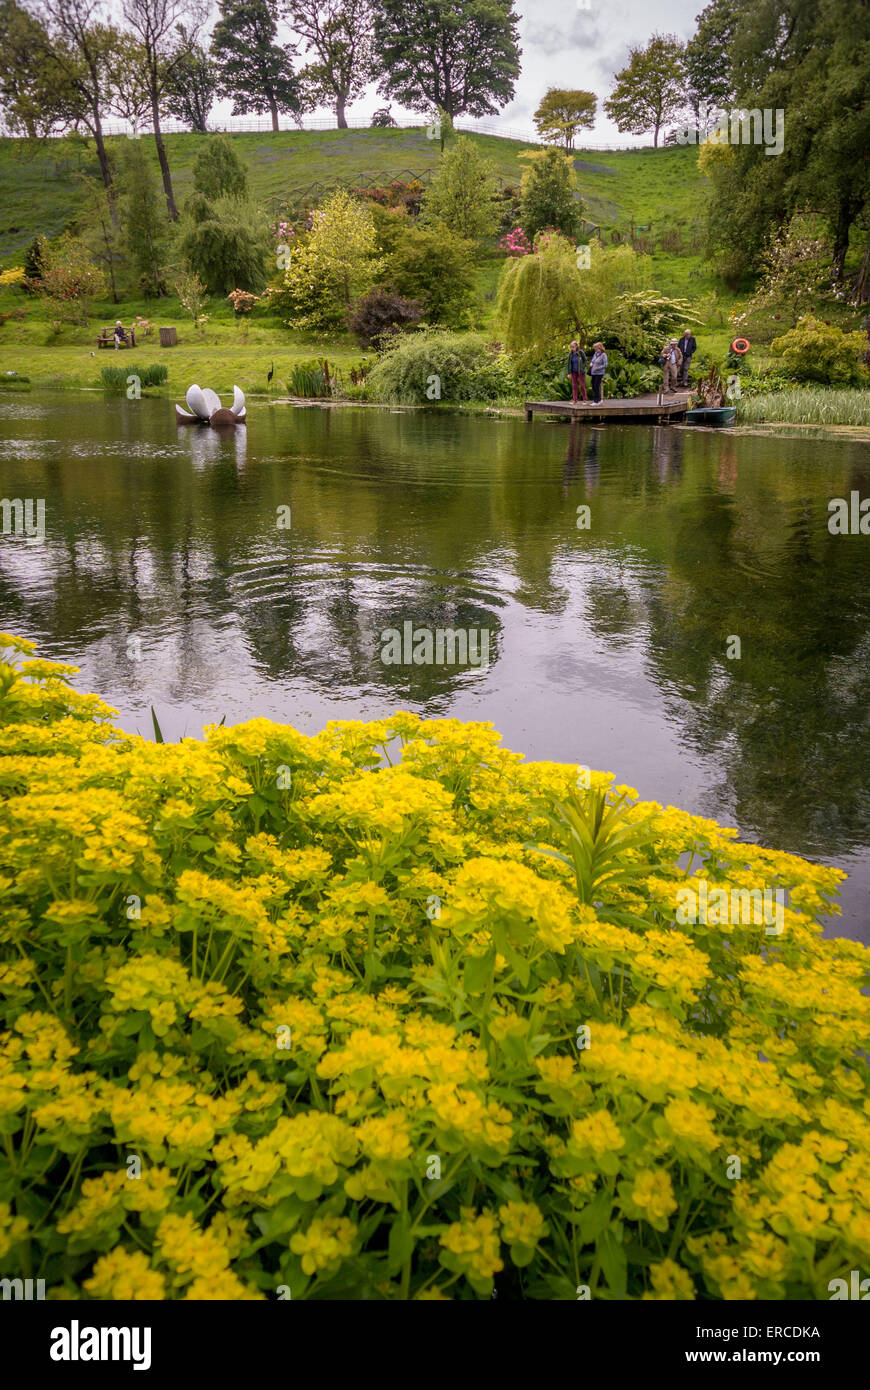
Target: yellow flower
(125, 1274)
(326, 1242)
(596, 1134)
(653, 1193)
(474, 1245)
(521, 1223)
(670, 1282)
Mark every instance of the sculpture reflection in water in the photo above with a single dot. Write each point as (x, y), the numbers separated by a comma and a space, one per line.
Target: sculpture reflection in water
(206, 446)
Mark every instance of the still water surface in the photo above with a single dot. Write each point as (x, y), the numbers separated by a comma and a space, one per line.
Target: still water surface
(609, 645)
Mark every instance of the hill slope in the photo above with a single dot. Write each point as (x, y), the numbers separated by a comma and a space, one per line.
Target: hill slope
(41, 192)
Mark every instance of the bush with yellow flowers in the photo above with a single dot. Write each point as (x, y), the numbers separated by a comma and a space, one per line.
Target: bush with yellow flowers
(390, 1013)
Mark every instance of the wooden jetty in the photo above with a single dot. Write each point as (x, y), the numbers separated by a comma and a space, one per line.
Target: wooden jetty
(654, 409)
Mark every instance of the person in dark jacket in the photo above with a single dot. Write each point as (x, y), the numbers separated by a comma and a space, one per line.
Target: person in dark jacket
(577, 370)
(687, 346)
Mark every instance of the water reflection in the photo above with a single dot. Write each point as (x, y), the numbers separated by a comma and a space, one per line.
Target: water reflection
(609, 645)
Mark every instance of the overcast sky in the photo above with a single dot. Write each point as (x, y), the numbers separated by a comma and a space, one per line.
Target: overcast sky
(565, 45)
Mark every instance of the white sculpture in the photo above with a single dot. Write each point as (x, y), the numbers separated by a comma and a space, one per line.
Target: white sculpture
(207, 408)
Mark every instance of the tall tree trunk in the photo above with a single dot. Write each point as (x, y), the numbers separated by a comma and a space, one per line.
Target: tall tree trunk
(161, 155)
(105, 168)
(339, 111)
(273, 107)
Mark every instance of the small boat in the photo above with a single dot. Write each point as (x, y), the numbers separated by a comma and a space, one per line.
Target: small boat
(712, 415)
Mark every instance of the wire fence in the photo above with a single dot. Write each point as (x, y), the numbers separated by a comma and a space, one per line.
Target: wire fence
(263, 125)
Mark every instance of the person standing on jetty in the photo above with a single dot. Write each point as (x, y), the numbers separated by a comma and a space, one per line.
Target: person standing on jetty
(688, 347)
(672, 360)
(597, 368)
(577, 371)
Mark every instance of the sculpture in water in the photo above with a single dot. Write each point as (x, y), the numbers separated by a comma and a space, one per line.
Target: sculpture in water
(206, 408)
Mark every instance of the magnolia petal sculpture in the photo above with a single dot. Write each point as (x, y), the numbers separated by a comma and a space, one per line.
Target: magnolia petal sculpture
(206, 408)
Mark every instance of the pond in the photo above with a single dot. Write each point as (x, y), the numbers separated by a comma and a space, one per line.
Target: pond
(257, 573)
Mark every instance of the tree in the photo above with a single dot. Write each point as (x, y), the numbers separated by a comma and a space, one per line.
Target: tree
(70, 278)
(100, 232)
(650, 90)
(708, 63)
(791, 271)
(144, 221)
(334, 266)
(84, 49)
(35, 95)
(254, 70)
(808, 61)
(339, 34)
(561, 114)
(224, 243)
(155, 22)
(191, 84)
(539, 301)
(460, 55)
(129, 93)
(192, 294)
(218, 172)
(462, 192)
(548, 194)
(438, 270)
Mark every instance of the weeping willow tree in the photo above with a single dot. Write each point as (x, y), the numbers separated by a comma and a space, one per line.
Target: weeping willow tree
(559, 293)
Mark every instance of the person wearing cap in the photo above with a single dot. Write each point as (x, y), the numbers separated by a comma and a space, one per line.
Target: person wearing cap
(597, 368)
(672, 360)
(688, 347)
(577, 370)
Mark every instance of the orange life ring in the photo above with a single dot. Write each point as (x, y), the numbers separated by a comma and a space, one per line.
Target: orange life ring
(740, 350)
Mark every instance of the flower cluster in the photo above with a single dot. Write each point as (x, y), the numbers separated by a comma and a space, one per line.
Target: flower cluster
(376, 1030)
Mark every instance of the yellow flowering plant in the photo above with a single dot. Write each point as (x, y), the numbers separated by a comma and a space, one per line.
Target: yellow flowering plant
(389, 1013)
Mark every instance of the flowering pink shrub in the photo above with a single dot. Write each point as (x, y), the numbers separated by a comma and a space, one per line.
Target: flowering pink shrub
(516, 243)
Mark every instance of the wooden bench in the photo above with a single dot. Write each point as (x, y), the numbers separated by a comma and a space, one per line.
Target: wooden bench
(107, 338)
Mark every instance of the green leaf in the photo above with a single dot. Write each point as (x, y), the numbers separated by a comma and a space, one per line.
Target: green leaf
(477, 972)
(200, 843)
(401, 1244)
(614, 1261)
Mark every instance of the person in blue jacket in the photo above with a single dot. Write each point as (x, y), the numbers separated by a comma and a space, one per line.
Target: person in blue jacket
(577, 370)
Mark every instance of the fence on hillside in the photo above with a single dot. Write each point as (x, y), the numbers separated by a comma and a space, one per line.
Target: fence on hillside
(263, 125)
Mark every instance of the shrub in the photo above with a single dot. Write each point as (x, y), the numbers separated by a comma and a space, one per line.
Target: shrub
(15, 275)
(312, 379)
(429, 264)
(367, 1041)
(218, 172)
(548, 194)
(381, 314)
(428, 367)
(462, 192)
(382, 118)
(224, 244)
(115, 378)
(815, 351)
(331, 268)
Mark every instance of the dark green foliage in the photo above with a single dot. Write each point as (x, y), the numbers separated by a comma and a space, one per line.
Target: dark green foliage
(254, 70)
(310, 379)
(431, 368)
(218, 172)
(548, 195)
(224, 245)
(191, 82)
(115, 378)
(461, 56)
(382, 118)
(381, 314)
(430, 265)
(143, 220)
(34, 258)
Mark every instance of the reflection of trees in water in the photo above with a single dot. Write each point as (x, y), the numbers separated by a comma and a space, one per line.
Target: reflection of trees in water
(432, 520)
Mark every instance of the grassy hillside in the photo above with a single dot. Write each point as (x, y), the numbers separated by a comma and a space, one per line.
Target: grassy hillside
(39, 191)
